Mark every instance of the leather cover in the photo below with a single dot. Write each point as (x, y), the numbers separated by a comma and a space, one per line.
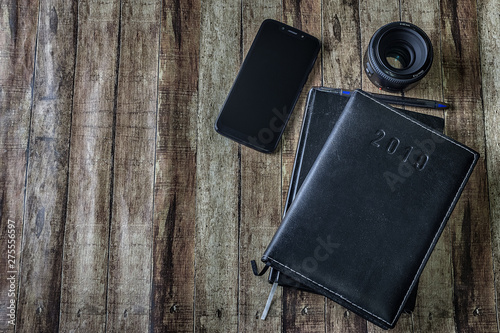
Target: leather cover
(371, 209)
(323, 108)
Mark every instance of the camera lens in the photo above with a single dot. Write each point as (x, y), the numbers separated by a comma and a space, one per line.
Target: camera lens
(398, 56)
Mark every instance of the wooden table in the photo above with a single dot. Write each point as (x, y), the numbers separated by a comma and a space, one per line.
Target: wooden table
(123, 211)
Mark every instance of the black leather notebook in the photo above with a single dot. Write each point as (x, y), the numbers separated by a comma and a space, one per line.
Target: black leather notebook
(371, 209)
(323, 108)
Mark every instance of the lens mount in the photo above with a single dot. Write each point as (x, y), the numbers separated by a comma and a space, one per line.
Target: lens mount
(398, 56)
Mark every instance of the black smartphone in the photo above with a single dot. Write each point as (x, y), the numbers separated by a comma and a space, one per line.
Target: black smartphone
(268, 85)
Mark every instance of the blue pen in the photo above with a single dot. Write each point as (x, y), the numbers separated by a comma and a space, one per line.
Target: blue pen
(399, 100)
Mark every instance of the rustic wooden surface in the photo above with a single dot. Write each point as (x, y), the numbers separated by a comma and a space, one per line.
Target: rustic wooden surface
(122, 210)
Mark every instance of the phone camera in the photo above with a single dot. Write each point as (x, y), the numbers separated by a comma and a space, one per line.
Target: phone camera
(302, 36)
(282, 28)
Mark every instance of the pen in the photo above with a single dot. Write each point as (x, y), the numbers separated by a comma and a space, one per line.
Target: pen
(399, 100)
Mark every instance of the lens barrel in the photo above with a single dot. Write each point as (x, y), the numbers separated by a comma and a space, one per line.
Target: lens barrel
(398, 56)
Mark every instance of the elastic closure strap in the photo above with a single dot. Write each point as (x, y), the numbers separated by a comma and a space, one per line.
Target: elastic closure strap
(256, 271)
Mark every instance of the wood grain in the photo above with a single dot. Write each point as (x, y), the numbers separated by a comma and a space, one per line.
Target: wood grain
(129, 270)
(218, 181)
(374, 15)
(85, 259)
(175, 184)
(473, 298)
(302, 312)
(260, 211)
(489, 30)
(435, 291)
(302, 15)
(18, 30)
(342, 55)
(47, 176)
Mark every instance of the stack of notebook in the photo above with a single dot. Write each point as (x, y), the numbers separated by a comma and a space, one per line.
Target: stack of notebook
(371, 191)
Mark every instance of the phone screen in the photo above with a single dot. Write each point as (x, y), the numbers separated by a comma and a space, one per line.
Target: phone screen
(267, 86)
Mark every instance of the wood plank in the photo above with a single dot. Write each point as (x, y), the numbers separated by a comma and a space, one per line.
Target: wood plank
(84, 278)
(129, 271)
(18, 30)
(47, 183)
(304, 15)
(433, 312)
(342, 56)
(489, 30)
(474, 301)
(302, 311)
(342, 53)
(373, 15)
(260, 201)
(217, 174)
(175, 184)
(426, 14)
